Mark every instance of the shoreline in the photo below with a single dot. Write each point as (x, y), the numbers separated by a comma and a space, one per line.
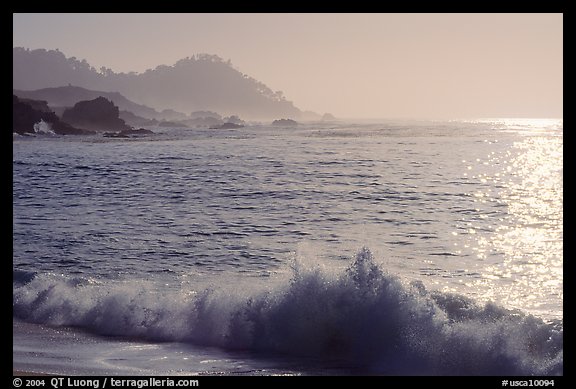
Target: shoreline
(29, 373)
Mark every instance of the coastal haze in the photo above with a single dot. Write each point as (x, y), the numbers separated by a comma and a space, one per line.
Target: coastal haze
(288, 194)
(352, 65)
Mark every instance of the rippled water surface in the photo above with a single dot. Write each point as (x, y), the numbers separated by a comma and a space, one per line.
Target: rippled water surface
(473, 206)
(466, 207)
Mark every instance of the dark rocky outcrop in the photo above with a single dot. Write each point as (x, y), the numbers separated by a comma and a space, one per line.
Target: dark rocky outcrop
(27, 113)
(66, 96)
(285, 123)
(226, 126)
(99, 114)
(38, 105)
(207, 121)
(129, 133)
(234, 119)
(140, 131)
(115, 135)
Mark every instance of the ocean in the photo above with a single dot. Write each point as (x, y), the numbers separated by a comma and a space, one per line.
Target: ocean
(367, 248)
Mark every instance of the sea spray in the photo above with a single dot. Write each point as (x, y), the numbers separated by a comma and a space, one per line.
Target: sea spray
(43, 127)
(363, 317)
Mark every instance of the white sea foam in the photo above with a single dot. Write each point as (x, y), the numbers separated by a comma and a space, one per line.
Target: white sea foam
(43, 128)
(363, 317)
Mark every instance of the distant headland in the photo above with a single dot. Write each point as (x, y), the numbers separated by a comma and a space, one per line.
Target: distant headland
(201, 82)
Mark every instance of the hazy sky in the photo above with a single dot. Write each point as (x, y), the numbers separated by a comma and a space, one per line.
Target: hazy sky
(352, 65)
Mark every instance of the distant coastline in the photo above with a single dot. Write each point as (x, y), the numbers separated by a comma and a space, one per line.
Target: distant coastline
(199, 82)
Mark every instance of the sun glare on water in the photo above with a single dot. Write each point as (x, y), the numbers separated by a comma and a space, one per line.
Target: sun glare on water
(529, 241)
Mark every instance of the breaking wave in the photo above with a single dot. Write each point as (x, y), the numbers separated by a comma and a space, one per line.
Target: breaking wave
(363, 317)
(43, 127)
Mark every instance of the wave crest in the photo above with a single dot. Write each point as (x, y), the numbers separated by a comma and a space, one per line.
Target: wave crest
(364, 317)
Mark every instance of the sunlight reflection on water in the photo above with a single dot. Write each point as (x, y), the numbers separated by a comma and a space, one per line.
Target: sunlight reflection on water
(530, 239)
